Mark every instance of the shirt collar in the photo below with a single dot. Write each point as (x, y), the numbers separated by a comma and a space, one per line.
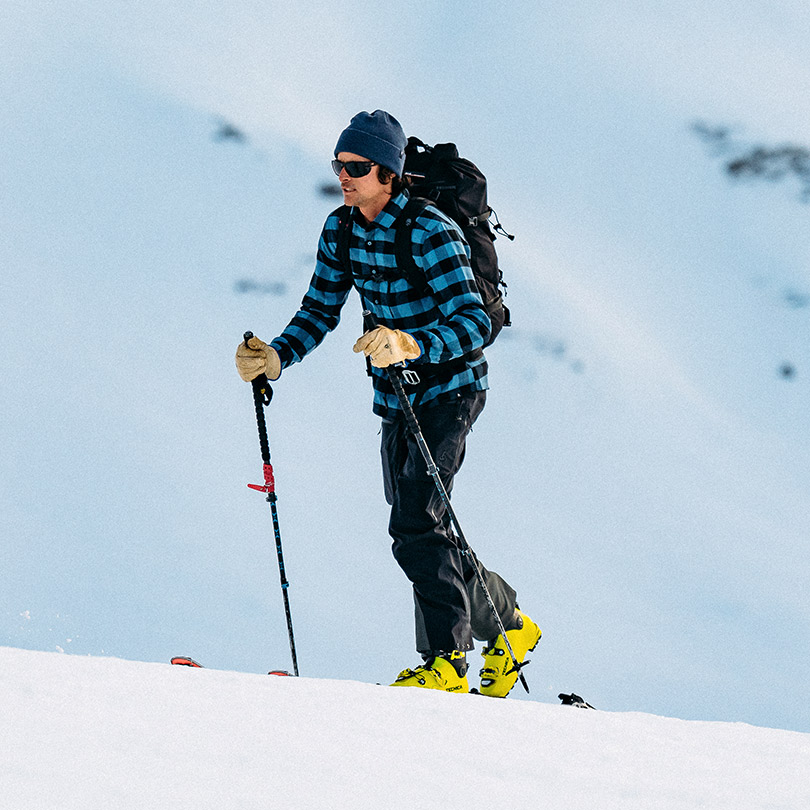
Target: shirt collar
(393, 208)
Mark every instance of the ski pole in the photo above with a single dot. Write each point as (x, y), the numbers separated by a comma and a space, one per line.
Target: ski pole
(262, 394)
(433, 471)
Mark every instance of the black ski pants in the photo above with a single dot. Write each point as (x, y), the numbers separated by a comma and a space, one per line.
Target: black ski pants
(450, 605)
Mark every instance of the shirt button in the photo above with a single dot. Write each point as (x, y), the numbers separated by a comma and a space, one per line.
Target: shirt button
(369, 244)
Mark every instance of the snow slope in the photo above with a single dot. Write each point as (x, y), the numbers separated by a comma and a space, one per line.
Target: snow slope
(84, 733)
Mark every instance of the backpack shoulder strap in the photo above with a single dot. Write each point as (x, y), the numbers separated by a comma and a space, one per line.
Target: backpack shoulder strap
(344, 232)
(403, 242)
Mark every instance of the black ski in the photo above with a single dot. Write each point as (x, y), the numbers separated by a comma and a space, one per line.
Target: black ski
(574, 700)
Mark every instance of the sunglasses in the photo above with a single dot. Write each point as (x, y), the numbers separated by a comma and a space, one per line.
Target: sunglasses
(354, 168)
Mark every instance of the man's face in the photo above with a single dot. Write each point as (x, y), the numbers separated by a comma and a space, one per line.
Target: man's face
(367, 192)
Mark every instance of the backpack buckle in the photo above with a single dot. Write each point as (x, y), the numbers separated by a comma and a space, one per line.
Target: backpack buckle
(410, 377)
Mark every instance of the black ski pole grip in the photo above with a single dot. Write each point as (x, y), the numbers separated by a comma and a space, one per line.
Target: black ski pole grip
(369, 321)
(261, 384)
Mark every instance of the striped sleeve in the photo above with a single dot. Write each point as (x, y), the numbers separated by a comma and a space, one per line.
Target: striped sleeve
(320, 308)
(441, 252)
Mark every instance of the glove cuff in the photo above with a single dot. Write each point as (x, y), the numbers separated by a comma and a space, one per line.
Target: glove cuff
(273, 371)
(409, 345)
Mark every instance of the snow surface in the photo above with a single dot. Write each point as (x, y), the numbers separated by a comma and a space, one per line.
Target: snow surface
(82, 733)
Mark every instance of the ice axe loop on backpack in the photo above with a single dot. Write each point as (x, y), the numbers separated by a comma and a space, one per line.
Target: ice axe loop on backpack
(395, 375)
(262, 395)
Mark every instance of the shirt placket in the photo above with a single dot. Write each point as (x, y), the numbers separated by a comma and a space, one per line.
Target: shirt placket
(369, 243)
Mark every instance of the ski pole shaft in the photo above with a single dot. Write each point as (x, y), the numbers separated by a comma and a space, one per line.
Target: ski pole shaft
(271, 497)
(433, 472)
(262, 394)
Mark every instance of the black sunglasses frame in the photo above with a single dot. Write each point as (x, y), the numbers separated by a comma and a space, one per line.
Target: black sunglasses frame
(354, 168)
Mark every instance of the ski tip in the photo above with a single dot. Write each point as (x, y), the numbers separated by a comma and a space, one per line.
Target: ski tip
(182, 661)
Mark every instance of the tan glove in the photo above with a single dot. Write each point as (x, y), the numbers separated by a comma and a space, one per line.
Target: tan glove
(257, 358)
(387, 346)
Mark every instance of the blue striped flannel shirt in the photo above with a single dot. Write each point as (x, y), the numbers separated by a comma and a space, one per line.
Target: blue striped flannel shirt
(448, 324)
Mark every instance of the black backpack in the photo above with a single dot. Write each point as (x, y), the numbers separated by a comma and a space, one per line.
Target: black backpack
(458, 189)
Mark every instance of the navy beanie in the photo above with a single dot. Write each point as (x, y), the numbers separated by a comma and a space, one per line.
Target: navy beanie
(376, 136)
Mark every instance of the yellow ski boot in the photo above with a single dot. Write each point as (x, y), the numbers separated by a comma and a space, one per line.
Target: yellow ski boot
(447, 672)
(499, 675)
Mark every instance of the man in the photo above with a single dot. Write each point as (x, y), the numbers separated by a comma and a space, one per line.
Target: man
(439, 335)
